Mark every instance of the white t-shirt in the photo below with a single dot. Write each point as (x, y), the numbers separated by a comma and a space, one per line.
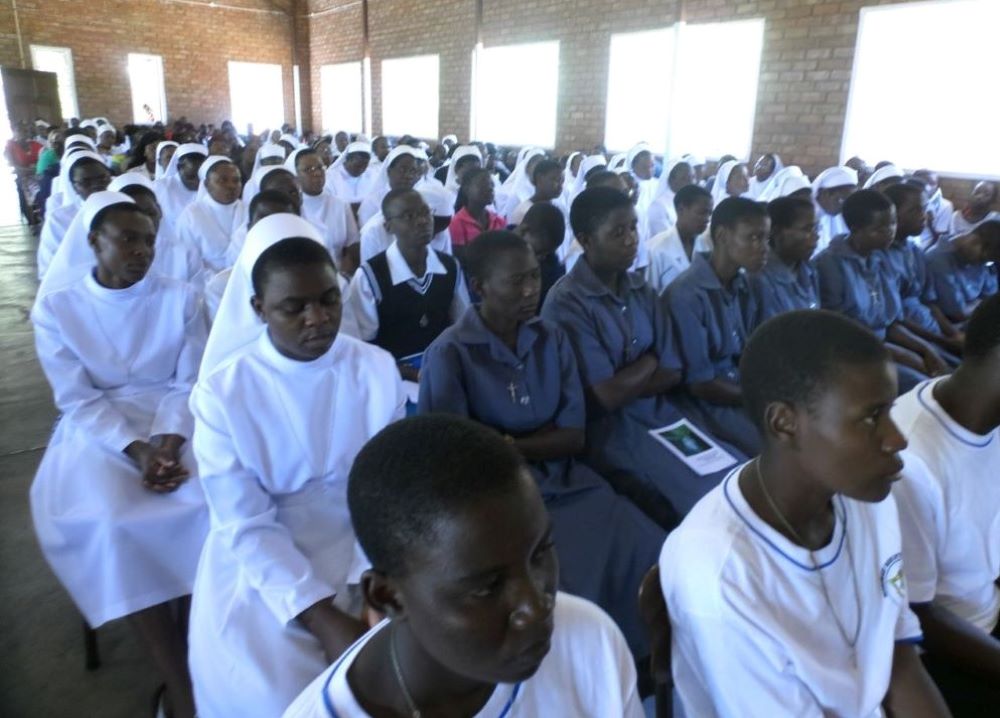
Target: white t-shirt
(752, 630)
(949, 509)
(588, 673)
(667, 258)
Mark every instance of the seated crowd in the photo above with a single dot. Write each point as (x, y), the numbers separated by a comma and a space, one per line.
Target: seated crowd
(373, 429)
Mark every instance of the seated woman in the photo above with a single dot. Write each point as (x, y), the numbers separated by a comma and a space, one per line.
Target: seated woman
(978, 208)
(544, 229)
(671, 252)
(503, 366)
(949, 500)
(283, 404)
(547, 180)
(375, 238)
(765, 174)
(662, 214)
(831, 188)
(402, 169)
(963, 269)
(714, 312)
(180, 182)
(348, 178)
(117, 515)
(473, 215)
(788, 280)
(628, 360)
(463, 567)
(85, 173)
(324, 209)
(784, 585)
(464, 159)
(854, 280)
(208, 223)
(519, 186)
(404, 297)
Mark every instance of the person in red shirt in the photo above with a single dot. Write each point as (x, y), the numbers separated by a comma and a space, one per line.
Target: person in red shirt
(473, 216)
(22, 154)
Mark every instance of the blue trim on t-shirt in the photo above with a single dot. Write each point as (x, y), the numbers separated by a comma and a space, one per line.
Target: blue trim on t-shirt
(768, 542)
(930, 409)
(912, 640)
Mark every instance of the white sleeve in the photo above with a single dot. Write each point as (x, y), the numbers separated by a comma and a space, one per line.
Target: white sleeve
(460, 301)
(360, 307)
(75, 394)
(655, 270)
(173, 416)
(244, 516)
(920, 525)
(48, 243)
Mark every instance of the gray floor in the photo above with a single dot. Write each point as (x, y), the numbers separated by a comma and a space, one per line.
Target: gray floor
(41, 644)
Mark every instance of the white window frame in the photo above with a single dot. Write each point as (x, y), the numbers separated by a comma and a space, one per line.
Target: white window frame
(136, 116)
(400, 126)
(67, 93)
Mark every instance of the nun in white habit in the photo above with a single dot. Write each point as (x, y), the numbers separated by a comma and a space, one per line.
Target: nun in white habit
(454, 177)
(160, 170)
(92, 177)
(118, 512)
(886, 172)
(74, 143)
(342, 183)
(267, 156)
(647, 185)
(730, 181)
(179, 187)
(580, 183)
(372, 203)
(276, 436)
(518, 187)
(786, 182)
(765, 173)
(830, 188)
(209, 222)
(662, 215)
(331, 214)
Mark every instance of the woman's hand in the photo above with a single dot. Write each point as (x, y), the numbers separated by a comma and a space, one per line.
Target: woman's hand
(334, 629)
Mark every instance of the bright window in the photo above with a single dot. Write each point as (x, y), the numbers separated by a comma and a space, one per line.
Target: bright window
(149, 101)
(410, 96)
(256, 96)
(935, 112)
(536, 67)
(340, 96)
(715, 88)
(60, 61)
(638, 106)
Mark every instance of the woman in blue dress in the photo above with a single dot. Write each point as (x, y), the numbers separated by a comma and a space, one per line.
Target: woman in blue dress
(504, 367)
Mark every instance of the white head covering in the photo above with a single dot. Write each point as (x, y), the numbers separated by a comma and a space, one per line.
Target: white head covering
(518, 166)
(356, 147)
(783, 183)
(884, 173)
(292, 158)
(759, 188)
(719, 191)
(450, 138)
(130, 179)
(519, 183)
(382, 183)
(635, 152)
(588, 163)
(74, 257)
(207, 165)
(290, 139)
(189, 148)
(663, 182)
(451, 182)
(80, 139)
(235, 324)
(617, 163)
(834, 177)
(159, 171)
(69, 193)
(568, 177)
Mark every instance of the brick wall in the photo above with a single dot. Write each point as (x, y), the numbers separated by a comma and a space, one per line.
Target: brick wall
(195, 40)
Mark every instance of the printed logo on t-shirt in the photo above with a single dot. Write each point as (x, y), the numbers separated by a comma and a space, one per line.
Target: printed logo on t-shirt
(893, 581)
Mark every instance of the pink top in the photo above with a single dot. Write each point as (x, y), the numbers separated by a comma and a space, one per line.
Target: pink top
(464, 228)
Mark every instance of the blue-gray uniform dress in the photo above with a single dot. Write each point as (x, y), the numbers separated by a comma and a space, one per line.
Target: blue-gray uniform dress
(605, 544)
(609, 332)
(779, 288)
(860, 288)
(908, 268)
(958, 285)
(713, 324)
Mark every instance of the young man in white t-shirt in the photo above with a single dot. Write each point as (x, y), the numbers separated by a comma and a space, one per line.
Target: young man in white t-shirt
(464, 569)
(949, 510)
(784, 584)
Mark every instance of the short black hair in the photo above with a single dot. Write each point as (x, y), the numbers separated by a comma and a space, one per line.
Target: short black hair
(602, 178)
(270, 176)
(733, 210)
(105, 213)
(482, 253)
(794, 357)
(272, 196)
(546, 220)
(900, 192)
(290, 252)
(982, 333)
(307, 152)
(418, 470)
(394, 194)
(136, 190)
(592, 206)
(689, 194)
(546, 166)
(861, 207)
(785, 210)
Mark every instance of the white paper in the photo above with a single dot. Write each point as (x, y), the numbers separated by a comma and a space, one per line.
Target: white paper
(693, 447)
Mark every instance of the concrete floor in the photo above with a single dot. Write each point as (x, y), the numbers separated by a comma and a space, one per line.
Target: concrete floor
(42, 670)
